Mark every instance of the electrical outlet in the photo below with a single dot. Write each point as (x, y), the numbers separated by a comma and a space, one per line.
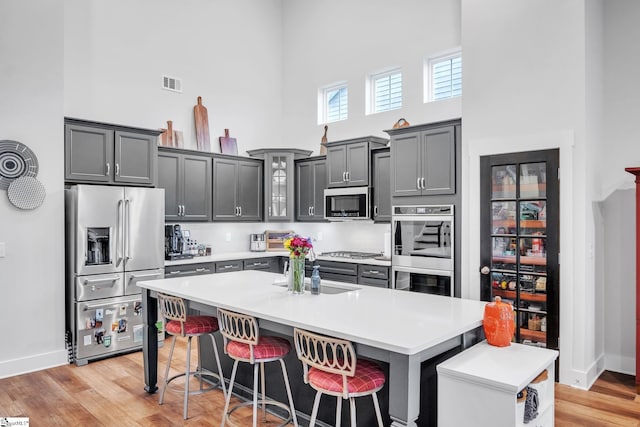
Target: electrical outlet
(227, 237)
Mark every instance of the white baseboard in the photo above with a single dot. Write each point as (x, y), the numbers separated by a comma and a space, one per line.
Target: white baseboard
(37, 362)
(622, 364)
(585, 379)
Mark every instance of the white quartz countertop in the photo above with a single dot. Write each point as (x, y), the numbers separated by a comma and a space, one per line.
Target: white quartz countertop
(508, 368)
(397, 321)
(228, 256)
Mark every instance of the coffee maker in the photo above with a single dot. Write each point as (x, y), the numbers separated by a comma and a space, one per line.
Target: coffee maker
(174, 243)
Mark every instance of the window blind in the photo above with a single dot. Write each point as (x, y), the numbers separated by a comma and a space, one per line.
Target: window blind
(447, 78)
(387, 91)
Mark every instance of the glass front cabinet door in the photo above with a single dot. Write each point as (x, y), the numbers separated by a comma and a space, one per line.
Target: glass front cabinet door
(520, 227)
(279, 181)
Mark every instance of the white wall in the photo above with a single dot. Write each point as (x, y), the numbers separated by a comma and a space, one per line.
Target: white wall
(230, 53)
(620, 149)
(618, 290)
(535, 100)
(622, 91)
(332, 40)
(31, 109)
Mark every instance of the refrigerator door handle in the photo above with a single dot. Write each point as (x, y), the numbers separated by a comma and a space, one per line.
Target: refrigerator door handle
(142, 276)
(127, 225)
(119, 233)
(118, 303)
(93, 282)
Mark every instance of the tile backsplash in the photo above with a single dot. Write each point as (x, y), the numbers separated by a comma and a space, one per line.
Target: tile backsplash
(335, 236)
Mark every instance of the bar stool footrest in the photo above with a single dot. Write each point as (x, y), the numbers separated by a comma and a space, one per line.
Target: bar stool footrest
(268, 402)
(210, 381)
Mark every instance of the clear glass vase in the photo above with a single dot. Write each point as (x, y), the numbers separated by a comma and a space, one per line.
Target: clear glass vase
(296, 275)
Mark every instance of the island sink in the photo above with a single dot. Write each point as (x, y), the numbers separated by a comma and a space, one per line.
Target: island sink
(325, 288)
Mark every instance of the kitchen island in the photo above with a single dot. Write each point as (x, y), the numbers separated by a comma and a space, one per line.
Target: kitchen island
(399, 328)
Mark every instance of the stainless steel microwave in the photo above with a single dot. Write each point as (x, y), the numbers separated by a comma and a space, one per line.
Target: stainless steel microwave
(346, 204)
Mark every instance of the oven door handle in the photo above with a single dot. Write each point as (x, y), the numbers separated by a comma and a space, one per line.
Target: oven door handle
(432, 272)
(400, 218)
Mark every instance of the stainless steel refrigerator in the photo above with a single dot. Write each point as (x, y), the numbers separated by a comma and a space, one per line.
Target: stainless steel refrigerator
(114, 238)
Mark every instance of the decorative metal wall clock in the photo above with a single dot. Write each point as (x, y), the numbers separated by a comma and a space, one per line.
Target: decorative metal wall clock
(18, 171)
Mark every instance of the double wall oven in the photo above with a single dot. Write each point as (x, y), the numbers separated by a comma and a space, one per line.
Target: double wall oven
(422, 259)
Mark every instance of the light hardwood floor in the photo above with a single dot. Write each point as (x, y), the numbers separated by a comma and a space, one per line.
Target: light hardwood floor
(110, 393)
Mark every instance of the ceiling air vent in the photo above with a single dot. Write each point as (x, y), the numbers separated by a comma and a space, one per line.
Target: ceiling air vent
(172, 83)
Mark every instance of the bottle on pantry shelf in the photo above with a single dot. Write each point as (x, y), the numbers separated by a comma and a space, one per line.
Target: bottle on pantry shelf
(315, 280)
(543, 324)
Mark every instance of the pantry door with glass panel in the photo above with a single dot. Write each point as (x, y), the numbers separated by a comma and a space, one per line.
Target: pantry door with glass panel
(519, 203)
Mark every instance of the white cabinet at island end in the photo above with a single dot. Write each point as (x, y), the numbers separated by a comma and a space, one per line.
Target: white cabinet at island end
(480, 386)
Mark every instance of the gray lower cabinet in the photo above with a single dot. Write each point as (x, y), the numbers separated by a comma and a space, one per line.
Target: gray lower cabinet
(348, 161)
(335, 270)
(186, 179)
(271, 264)
(381, 206)
(424, 159)
(278, 181)
(233, 265)
(311, 180)
(237, 189)
(373, 275)
(189, 269)
(102, 153)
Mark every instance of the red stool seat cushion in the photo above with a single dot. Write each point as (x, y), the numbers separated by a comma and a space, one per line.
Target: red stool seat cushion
(368, 377)
(267, 348)
(194, 325)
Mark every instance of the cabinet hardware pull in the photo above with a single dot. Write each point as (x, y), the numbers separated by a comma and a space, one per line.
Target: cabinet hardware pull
(175, 272)
(422, 182)
(348, 176)
(108, 169)
(200, 270)
(344, 176)
(240, 210)
(313, 210)
(117, 169)
(375, 211)
(374, 272)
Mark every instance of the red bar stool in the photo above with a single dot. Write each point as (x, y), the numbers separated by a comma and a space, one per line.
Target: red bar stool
(243, 343)
(331, 367)
(178, 323)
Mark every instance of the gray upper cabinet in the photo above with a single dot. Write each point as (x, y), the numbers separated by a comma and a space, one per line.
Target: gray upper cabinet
(237, 189)
(423, 160)
(348, 161)
(279, 181)
(109, 154)
(381, 185)
(186, 179)
(311, 180)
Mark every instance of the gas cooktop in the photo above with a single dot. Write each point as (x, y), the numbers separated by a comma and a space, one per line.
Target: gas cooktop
(351, 254)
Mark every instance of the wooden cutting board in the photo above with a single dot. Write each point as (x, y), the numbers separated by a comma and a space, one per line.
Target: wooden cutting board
(228, 145)
(202, 126)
